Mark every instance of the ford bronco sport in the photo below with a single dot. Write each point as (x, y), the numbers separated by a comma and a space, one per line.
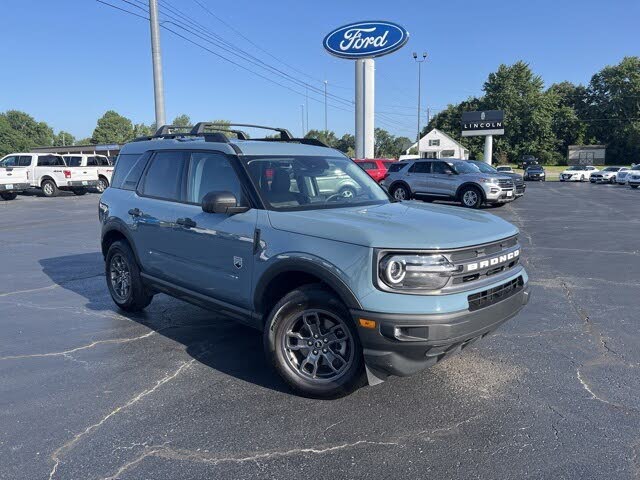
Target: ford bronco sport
(345, 287)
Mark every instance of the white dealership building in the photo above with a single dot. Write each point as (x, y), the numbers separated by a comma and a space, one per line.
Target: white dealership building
(437, 144)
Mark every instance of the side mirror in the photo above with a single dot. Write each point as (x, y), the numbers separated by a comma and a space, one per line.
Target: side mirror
(222, 202)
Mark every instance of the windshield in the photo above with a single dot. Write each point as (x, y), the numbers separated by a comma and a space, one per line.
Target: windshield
(611, 169)
(465, 167)
(304, 183)
(577, 167)
(484, 167)
(637, 167)
(534, 167)
(504, 169)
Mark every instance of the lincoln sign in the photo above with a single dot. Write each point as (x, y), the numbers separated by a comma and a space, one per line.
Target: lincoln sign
(365, 40)
(488, 122)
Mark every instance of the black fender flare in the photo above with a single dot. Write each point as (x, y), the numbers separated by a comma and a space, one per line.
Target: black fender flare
(303, 265)
(116, 225)
(400, 182)
(471, 184)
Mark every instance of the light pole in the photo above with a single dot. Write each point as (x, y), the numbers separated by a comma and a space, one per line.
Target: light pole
(325, 106)
(302, 119)
(156, 57)
(419, 62)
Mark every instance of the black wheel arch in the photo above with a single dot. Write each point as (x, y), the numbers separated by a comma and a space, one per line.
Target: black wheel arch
(112, 231)
(470, 184)
(288, 274)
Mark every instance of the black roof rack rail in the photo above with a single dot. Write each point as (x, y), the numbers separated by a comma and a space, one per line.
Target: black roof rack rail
(304, 141)
(200, 128)
(169, 130)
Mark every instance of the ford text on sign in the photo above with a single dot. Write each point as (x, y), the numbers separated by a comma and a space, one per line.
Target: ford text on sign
(365, 39)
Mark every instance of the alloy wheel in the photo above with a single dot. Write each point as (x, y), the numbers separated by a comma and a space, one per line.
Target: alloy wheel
(470, 198)
(120, 277)
(318, 346)
(102, 186)
(48, 189)
(400, 194)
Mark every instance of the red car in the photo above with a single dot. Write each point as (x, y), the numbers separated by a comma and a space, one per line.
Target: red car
(376, 167)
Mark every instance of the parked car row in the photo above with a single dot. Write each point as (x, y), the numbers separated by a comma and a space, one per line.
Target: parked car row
(472, 183)
(52, 173)
(610, 175)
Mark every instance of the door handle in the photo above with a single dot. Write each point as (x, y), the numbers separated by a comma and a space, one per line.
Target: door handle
(186, 222)
(135, 212)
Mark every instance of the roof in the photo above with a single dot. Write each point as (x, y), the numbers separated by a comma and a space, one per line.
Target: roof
(233, 147)
(415, 144)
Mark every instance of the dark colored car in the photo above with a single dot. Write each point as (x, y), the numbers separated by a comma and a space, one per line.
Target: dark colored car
(535, 172)
(375, 167)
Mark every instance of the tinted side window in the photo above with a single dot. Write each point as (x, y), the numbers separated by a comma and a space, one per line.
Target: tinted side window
(128, 171)
(24, 161)
(92, 162)
(73, 161)
(421, 167)
(164, 176)
(103, 161)
(50, 161)
(396, 167)
(211, 172)
(10, 161)
(368, 165)
(441, 167)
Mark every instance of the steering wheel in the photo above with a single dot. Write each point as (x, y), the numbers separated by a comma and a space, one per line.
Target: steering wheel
(332, 198)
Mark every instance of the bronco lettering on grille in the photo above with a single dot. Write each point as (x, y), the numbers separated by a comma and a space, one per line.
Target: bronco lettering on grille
(492, 262)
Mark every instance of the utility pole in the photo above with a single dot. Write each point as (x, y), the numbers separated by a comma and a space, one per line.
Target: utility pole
(156, 57)
(306, 106)
(419, 62)
(302, 119)
(325, 106)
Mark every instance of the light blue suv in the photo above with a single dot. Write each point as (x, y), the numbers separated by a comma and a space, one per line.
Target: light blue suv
(346, 284)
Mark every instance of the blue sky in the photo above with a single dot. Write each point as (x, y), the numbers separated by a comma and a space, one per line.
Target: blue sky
(68, 62)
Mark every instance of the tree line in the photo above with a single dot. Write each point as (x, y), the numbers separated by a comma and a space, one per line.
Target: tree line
(545, 121)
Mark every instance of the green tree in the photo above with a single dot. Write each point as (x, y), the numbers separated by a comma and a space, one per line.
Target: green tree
(63, 138)
(142, 130)
(112, 128)
(182, 121)
(20, 132)
(325, 136)
(347, 144)
(614, 110)
(84, 141)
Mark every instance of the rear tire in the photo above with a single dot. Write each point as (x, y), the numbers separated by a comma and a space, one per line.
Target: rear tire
(124, 280)
(471, 197)
(400, 193)
(50, 189)
(333, 365)
(8, 195)
(103, 184)
(80, 191)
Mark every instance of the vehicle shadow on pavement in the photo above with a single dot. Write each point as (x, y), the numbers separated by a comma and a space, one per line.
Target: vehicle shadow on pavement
(219, 343)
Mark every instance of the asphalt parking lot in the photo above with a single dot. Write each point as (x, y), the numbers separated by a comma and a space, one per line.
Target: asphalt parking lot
(87, 392)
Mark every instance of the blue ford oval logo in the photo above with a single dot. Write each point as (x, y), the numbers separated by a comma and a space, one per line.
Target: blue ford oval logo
(365, 39)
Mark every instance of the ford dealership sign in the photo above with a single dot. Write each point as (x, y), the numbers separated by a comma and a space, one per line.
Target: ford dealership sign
(365, 40)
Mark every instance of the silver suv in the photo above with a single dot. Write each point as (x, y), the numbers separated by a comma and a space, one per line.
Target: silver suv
(459, 180)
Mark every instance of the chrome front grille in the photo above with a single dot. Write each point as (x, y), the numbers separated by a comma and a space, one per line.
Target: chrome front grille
(505, 182)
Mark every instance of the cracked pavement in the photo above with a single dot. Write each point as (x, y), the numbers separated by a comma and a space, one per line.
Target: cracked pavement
(87, 392)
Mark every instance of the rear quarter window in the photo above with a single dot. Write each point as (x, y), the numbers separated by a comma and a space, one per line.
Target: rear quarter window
(128, 170)
(396, 167)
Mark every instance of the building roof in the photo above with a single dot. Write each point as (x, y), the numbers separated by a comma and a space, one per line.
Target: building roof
(415, 144)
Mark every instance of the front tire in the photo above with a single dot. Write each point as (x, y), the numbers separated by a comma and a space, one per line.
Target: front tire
(471, 197)
(50, 189)
(8, 195)
(312, 342)
(124, 280)
(400, 193)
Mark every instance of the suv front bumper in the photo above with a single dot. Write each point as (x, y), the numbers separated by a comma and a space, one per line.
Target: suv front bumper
(403, 344)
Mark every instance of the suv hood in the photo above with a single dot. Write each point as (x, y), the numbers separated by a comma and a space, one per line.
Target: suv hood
(413, 225)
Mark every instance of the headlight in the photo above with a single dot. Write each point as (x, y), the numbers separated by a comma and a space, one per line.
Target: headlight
(488, 180)
(415, 272)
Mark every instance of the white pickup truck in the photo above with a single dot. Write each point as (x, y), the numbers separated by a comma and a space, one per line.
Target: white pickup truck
(49, 172)
(13, 180)
(101, 164)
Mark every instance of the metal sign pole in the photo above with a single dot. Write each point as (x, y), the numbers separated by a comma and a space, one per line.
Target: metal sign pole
(488, 149)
